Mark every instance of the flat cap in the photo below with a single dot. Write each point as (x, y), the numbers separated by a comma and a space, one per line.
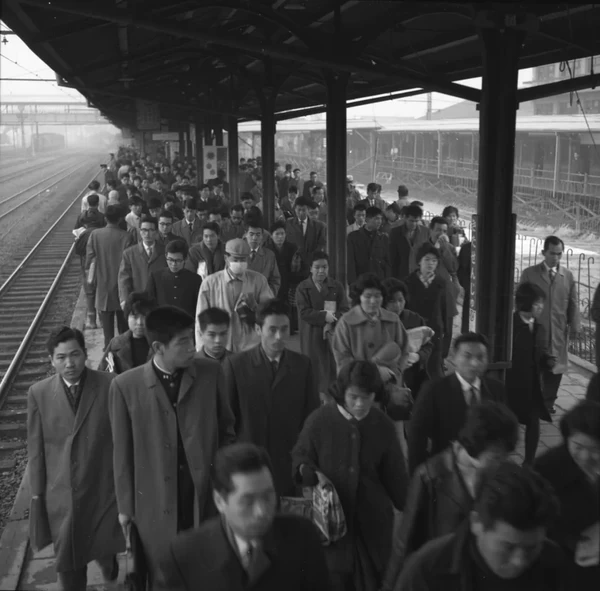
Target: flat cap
(237, 247)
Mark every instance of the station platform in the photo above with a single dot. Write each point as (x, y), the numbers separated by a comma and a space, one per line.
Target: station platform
(22, 570)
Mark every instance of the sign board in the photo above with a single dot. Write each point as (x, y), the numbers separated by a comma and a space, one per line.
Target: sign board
(473, 292)
(215, 158)
(169, 136)
(147, 116)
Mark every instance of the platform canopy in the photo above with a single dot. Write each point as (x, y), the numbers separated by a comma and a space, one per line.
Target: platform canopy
(212, 57)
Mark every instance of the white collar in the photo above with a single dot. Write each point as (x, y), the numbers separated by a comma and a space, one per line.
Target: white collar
(160, 368)
(69, 383)
(347, 415)
(466, 387)
(243, 545)
(555, 269)
(527, 320)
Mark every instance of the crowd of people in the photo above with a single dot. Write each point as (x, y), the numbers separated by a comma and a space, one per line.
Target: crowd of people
(203, 434)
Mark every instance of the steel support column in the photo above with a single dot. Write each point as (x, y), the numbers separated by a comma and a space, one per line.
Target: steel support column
(199, 160)
(181, 143)
(234, 158)
(336, 174)
(495, 221)
(189, 156)
(268, 126)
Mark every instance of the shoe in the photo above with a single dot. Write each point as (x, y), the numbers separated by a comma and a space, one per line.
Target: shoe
(91, 322)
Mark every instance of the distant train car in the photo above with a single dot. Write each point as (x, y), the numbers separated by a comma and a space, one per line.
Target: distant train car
(47, 142)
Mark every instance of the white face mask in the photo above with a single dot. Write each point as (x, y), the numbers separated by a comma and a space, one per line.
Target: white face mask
(237, 268)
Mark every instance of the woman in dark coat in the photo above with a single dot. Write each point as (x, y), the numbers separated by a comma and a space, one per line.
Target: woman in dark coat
(321, 302)
(573, 470)
(428, 297)
(354, 445)
(288, 265)
(529, 357)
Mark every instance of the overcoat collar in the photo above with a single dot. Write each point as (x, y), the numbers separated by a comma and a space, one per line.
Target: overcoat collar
(87, 400)
(356, 316)
(544, 272)
(285, 366)
(153, 384)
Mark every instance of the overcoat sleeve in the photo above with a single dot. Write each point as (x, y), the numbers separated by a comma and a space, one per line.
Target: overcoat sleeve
(90, 252)
(125, 278)
(231, 393)
(316, 572)
(420, 427)
(312, 400)
(35, 447)
(393, 471)
(123, 464)
(274, 277)
(305, 450)
(342, 349)
(308, 314)
(226, 419)
(151, 287)
(573, 316)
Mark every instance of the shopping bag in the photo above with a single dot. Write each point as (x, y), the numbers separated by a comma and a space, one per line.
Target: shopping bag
(328, 514)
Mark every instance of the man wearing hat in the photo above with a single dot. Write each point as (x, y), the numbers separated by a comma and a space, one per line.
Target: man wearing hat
(237, 290)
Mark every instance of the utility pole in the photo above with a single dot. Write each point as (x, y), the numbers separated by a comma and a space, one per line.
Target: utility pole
(428, 105)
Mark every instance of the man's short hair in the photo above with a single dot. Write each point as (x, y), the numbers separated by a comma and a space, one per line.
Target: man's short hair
(239, 458)
(190, 204)
(164, 323)
(253, 220)
(312, 172)
(515, 495)
(467, 338)
(312, 204)
(213, 316)
(273, 307)
(293, 189)
(302, 202)
(238, 207)
(278, 225)
(94, 186)
(113, 214)
(317, 188)
(402, 191)
(438, 220)
(373, 212)
(213, 227)
(582, 418)
(528, 294)
(425, 249)
(449, 210)
(372, 188)
(489, 424)
(154, 203)
(62, 334)
(93, 200)
(247, 197)
(413, 211)
(138, 302)
(360, 207)
(148, 219)
(416, 202)
(135, 200)
(296, 170)
(553, 241)
(178, 246)
(165, 213)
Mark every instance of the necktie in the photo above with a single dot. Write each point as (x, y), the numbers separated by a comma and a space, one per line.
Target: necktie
(252, 255)
(372, 202)
(303, 222)
(552, 273)
(275, 366)
(472, 396)
(150, 251)
(73, 390)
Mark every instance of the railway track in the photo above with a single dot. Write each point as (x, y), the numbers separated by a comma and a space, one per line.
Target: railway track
(25, 298)
(56, 177)
(30, 165)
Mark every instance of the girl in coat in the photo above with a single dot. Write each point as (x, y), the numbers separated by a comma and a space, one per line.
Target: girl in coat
(367, 327)
(354, 445)
(573, 470)
(321, 302)
(529, 358)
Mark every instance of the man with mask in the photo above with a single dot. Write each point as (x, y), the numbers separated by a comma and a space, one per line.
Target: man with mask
(237, 290)
(502, 544)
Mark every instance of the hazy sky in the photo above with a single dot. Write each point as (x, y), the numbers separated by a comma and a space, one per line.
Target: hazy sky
(30, 66)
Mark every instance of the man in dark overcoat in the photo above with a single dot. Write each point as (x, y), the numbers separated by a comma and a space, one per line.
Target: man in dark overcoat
(70, 464)
(272, 390)
(168, 419)
(441, 407)
(104, 252)
(308, 235)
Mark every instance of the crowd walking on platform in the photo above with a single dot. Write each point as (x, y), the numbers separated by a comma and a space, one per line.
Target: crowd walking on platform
(378, 458)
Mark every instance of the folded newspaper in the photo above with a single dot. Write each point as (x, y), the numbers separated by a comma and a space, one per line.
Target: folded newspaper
(418, 337)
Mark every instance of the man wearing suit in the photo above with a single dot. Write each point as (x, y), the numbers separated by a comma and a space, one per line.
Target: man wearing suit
(368, 249)
(560, 316)
(207, 256)
(190, 227)
(308, 186)
(140, 260)
(104, 252)
(441, 406)
(262, 260)
(308, 235)
(168, 419)
(165, 228)
(405, 241)
(70, 464)
(174, 285)
(372, 199)
(271, 391)
(247, 547)
(214, 326)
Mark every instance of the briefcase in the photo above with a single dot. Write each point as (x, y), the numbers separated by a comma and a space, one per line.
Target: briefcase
(39, 525)
(136, 569)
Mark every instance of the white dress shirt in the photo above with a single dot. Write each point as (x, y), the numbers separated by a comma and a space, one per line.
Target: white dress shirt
(466, 388)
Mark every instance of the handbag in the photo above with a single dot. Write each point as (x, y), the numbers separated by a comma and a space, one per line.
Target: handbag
(40, 535)
(321, 504)
(136, 573)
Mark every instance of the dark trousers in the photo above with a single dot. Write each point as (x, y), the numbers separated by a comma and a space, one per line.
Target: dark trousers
(108, 324)
(76, 580)
(550, 386)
